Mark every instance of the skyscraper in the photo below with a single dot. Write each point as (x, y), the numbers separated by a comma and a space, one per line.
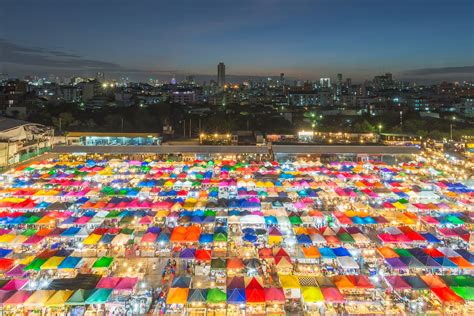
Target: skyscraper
(325, 82)
(221, 75)
(338, 87)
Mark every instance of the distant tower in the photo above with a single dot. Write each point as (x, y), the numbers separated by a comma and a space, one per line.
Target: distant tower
(100, 76)
(221, 75)
(282, 78)
(338, 87)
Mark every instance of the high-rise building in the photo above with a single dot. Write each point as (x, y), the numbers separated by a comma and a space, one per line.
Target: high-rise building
(338, 87)
(221, 75)
(325, 82)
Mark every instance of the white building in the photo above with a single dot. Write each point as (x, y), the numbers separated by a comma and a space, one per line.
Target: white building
(21, 140)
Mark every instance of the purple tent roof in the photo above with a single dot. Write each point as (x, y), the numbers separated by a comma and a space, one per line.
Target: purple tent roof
(396, 263)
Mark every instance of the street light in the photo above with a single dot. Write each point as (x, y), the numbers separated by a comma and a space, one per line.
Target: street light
(451, 127)
(380, 128)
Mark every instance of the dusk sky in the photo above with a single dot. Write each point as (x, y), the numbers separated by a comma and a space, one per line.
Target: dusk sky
(307, 39)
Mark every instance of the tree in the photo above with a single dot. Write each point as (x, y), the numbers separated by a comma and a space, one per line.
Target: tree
(63, 121)
(363, 127)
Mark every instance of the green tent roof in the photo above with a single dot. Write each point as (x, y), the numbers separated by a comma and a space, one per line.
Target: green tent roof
(218, 263)
(459, 280)
(216, 296)
(99, 296)
(113, 213)
(29, 232)
(295, 220)
(79, 297)
(466, 293)
(32, 219)
(220, 237)
(210, 213)
(35, 264)
(103, 262)
(345, 237)
(127, 231)
(454, 220)
(403, 252)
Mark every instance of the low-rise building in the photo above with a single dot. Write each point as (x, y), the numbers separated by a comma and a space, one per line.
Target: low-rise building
(21, 140)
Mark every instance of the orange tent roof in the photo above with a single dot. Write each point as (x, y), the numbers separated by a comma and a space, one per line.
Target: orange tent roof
(234, 263)
(342, 282)
(177, 295)
(433, 281)
(461, 262)
(311, 252)
(387, 252)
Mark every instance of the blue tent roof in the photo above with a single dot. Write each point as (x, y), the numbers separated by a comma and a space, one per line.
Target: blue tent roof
(71, 231)
(69, 263)
(327, 252)
(163, 238)
(250, 238)
(206, 238)
(465, 254)
(430, 237)
(271, 220)
(236, 296)
(107, 238)
(4, 252)
(303, 239)
(341, 252)
(445, 262)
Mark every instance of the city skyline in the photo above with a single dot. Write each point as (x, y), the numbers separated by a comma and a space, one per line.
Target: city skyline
(305, 40)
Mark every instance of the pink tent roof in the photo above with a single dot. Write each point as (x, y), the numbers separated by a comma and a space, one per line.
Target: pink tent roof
(83, 220)
(332, 294)
(149, 237)
(18, 298)
(273, 294)
(397, 283)
(33, 240)
(14, 284)
(17, 271)
(108, 282)
(126, 284)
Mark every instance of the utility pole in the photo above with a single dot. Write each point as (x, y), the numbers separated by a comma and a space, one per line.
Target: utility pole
(121, 124)
(184, 127)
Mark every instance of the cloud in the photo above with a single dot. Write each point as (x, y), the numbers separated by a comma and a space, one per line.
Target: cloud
(13, 53)
(440, 71)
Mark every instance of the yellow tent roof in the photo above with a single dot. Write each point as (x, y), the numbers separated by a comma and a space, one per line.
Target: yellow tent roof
(399, 206)
(312, 294)
(92, 239)
(39, 297)
(52, 263)
(27, 260)
(289, 282)
(7, 238)
(59, 298)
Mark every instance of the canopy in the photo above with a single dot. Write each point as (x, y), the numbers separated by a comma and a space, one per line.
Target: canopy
(216, 296)
(99, 296)
(177, 295)
(312, 294)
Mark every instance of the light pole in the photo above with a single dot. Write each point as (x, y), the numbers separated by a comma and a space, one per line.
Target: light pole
(451, 128)
(380, 128)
